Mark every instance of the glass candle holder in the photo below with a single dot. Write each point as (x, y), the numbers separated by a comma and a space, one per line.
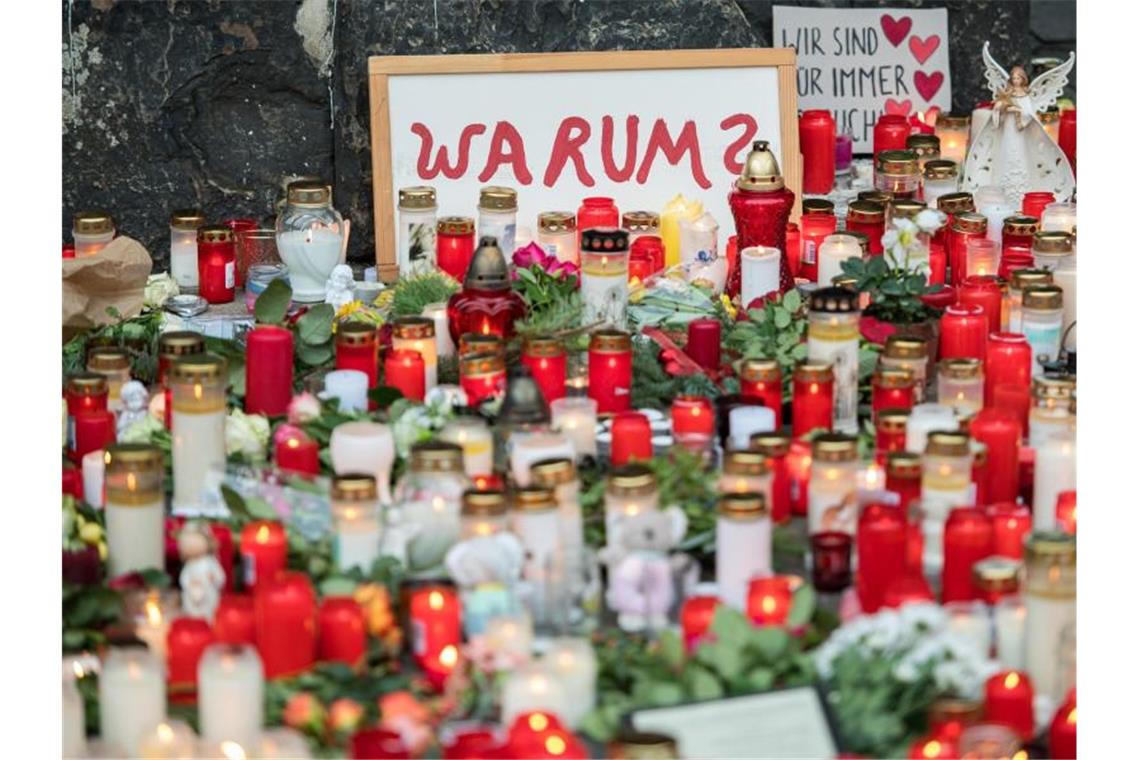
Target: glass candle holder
(486, 305)
(759, 273)
(1009, 361)
(428, 499)
(967, 539)
(746, 471)
(417, 225)
(1018, 231)
(1059, 216)
(1000, 431)
(355, 508)
(482, 376)
(640, 224)
(256, 250)
(472, 434)
(897, 173)
(455, 244)
(961, 385)
(964, 227)
(114, 364)
(1020, 279)
(833, 251)
(970, 622)
(498, 212)
(833, 338)
(743, 544)
(132, 698)
(869, 218)
(184, 248)
(576, 417)
(630, 438)
(890, 432)
(437, 313)
(483, 513)
(404, 370)
(1050, 606)
(891, 389)
(1053, 250)
(831, 561)
(814, 228)
(561, 476)
(610, 370)
(946, 484)
(981, 256)
(813, 390)
(1054, 472)
(630, 491)
(926, 146)
(890, 133)
(693, 416)
(770, 599)
(648, 247)
(84, 393)
(880, 542)
(597, 211)
(832, 489)
(775, 447)
(230, 694)
(1051, 409)
(259, 276)
(911, 354)
(217, 264)
(761, 379)
(953, 131)
(963, 331)
(358, 348)
(558, 235)
(198, 448)
(546, 358)
(904, 477)
(1041, 319)
(605, 275)
(939, 177)
(91, 231)
(418, 334)
(134, 508)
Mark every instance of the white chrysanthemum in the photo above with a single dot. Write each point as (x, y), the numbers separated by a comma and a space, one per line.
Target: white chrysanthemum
(246, 434)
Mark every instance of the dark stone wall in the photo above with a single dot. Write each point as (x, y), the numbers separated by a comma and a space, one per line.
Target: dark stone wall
(211, 104)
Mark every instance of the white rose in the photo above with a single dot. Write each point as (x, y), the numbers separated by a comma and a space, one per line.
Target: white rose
(246, 434)
(929, 220)
(304, 407)
(159, 287)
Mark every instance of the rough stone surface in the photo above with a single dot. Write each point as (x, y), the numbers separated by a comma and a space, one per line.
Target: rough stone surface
(211, 104)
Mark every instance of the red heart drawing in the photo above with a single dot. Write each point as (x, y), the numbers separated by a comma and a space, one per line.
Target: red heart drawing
(928, 85)
(902, 108)
(896, 31)
(923, 49)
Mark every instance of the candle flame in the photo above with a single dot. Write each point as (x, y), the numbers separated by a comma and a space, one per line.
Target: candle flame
(197, 391)
(435, 600)
(768, 605)
(813, 388)
(1012, 680)
(555, 745)
(1072, 717)
(486, 327)
(262, 534)
(482, 529)
(232, 751)
(932, 748)
(78, 669)
(696, 411)
(132, 482)
(165, 733)
(153, 611)
(438, 504)
(351, 514)
(292, 443)
(449, 656)
(1054, 574)
(539, 722)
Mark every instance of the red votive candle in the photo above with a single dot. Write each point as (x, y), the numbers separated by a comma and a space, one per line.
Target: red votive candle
(890, 433)
(187, 638)
(703, 345)
(610, 370)
(1011, 523)
(869, 218)
(904, 476)
(85, 392)
(937, 263)
(217, 263)
(934, 747)
(630, 438)
(880, 546)
(1067, 511)
(761, 379)
(72, 481)
(93, 431)
(358, 348)
(1063, 730)
(263, 551)
(1000, 431)
(454, 244)
(434, 613)
(831, 560)
(817, 144)
(341, 632)
(693, 415)
(696, 616)
(799, 475)
(891, 131)
(404, 371)
(963, 332)
(1032, 204)
(471, 743)
(964, 227)
(650, 247)
(1009, 702)
(268, 370)
(640, 267)
(234, 621)
(770, 599)
(596, 211)
(775, 448)
(891, 389)
(1067, 136)
(911, 587)
(297, 452)
(983, 291)
(813, 389)
(792, 248)
(285, 609)
(377, 744)
(547, 361)
(813, 229)
(967, 537)
(1009, 361)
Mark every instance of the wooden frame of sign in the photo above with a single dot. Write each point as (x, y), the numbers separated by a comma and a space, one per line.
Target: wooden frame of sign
(382, 68)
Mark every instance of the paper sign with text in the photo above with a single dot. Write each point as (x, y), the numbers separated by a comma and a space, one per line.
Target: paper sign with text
(860, 63)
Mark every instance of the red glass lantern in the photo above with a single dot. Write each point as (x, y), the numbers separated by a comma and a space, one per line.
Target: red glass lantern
(263, 551)
(1063, 729)
(1032, 204)
(268, 370)
(760, 207)
(817, 144)
(640, 266)
(72, 481)
(238, 226)
(610, 370)
(187, 638)
(891, 131)
(358, 348)
(813, 229)
(234, 621)
(342, 636)
(285, 610)
(880, 544)
(1009, 702)
(761, 379)
(597, 211)
(1011, 523)
(963, 332)
(650, 247)
(482, 376)
(890, 433)
(404, 371)
(813, 390)
(703, 344)
(1017, 233)
(547, 361)
(983, 291)
(1009, 361)
(693, 416)
(297, 452)
(1000, 431)
(696, 616)
(454, 244)
(472, 742)
(85, 392)
(631, 438)
(769, 599)
(217, 264)
(891, 389)
(831, 560)
(799, 475)
(967, 537)
(434, 613)
(1067, 136)
(93, 431)
(869, 218)
(486, 305)
(964, 227)
(775, 447)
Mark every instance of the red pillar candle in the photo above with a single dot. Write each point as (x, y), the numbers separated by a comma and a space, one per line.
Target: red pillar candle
(84, 392)
(471, 742)
(268, 370)
(891, 389)
(454, 244)
(963, 332)
(799, 475)
(937, 263)
(760, 378)
(1000, 431)
(967, 537)
(891, 131)
(1011, 523)
(775, 447)
(481, 376)
(217, 263)
(187, 638)
(610, 370)
(640, 266)
(813, 229)
(1067, 511)
(93, 431)
(817, 144)
(1063, 730)
(596, 211)
(1009, 360)
(630, 438)
(404, 371)
(72, 481)
(341, 634)
(963, 227)
(434, 615)
(890, 433)
(984, 291)
(234, 620)
(869, 218)
(1067, 136)
(979, 475)
(263, 551)
(547, 361)
(703, 344)
(880, 547)
(1032, 204)
(285, 610)
(1009, 702)
(296, 452)
(813, 390)
(358, 348)
(693, 416)
(770, 599)
(696, 616)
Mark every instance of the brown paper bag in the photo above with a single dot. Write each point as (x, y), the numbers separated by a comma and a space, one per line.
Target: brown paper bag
(116, 276)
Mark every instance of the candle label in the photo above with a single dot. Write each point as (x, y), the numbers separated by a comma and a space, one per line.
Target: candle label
(229, 274)
(1043, 339)
(419, 638)
(808, 256)
(249, 569)
(71, 432)
(421, 243)
(842, 354)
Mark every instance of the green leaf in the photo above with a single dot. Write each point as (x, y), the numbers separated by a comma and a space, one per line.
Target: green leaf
(782, 318)
(702, 684)
(761, 679)
(792, 299)
(259, 509)
(770, 642)
(727, 659)
(666, 693)
(730, 625)
(235, 503)
(155, 578)
(314, 355)
(877, 267)
(384, 395)
(273, 303)
(891, 288)
(337, 586)
(595, 725)
(315, 326)
(803, 604)
(672, 649)
(853, 266)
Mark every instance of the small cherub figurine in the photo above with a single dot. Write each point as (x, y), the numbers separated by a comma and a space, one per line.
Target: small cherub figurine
(340, 286)
(202, 576)
(136, 401)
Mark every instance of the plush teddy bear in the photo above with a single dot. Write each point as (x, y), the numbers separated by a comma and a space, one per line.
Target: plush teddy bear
(487, 570)
(641, 587)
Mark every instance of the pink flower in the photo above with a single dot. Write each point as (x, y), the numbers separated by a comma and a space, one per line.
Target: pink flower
(528, 256)
(876, 330)
(304, 407)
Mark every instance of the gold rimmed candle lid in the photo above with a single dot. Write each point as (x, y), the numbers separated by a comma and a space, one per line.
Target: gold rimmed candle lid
(813, 372)
(1020, 225)
(533, 499)
(897, 162)
(955, 203)
(1051, 548)
(968, 221)
(309, 193)
(894, 377)
(215, 233)
(952, 120)
(1053, 387)
(92, 222)
(866, 212)
(437, 456)
(879, 197)
(906, 208)
(640, 745)
(924, 144)
(904, 464)
(1042, 297)
(742, 506)
(940, 168)
(745, 462)
(477, 343)
(557, 221)
(87, 384)
(610, 341)
(356, 333)
(760, 370)
(997, 575)
(905, 347)
(544, 345)
(640, 221)
(194, 368)
(475, 365)
(631, 480)
(948, 443)
(413, 328)
(108, 359)
(498, 198)
(485, 503)
(553, 472)
(1052, 241)
(1020, 279)
(962, 368)
(761, 171)
(417, 197)
(187, 220)
(834, 447)
(133, 457)
(818, 206)
(180, 343)
(353, 487)
(455, 225)
(771, 444)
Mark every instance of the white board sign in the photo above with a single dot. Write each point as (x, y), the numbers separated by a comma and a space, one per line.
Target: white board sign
(861, 62)
(639, 127)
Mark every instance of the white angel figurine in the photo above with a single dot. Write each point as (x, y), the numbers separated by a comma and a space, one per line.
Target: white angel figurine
(1012, 150)
(202, 576)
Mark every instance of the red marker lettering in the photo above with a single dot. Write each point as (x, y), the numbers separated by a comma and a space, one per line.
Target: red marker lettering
(573, 133)
(674, 151)
(732, 160)
(626, 171)
(441, 162)
(506, 148)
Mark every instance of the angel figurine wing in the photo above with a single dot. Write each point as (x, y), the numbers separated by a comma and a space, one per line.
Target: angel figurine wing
(1048, 86)
(996, 77)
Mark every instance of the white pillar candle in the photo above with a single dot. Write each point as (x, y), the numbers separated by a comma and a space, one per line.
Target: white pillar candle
(743, 545)
(833, 251)
(74, 727)
(417, 211)
(310, 255)
(946, 483)
(1050, 608)
(698, 239)
(832, 491)
(198, 427)
(833, 338)
(184, 257)
(1059, 216)
(132, 698)
(535, 520)
(528, 448)
(169, 738)
(1054, 471)
(759, 273)
(535, 688)
(135, 508)
(349, 387)
(1009, 629)
(94, 466)
(474, 436)
(630, 491)
(283, 744)
(366, 447)
(510, 635)
(743, 421)
(357, 523)
(970, 621)
(418, 334)
(576, 417)
(923, 419)
(574, 664)
(444, 346)
(561, 475)
(231, 690)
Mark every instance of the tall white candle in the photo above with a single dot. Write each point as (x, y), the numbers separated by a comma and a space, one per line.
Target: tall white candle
(535, 688)
(576, 417)
(474, 437)
(134, 512)
(743, 545)
(833, 251)
(437, 313)
(231, 690)
(184, 256)
(366, 447)
(743, 421)
(970, 621)
(1054, 471)
(94, 466)
(528, 448)
(605, 287)
(349, 387)
(198, 447)
(833, 338)
(1009, 629)
(74, 731)
(1050, 607)
(132, 698)
(759, 273)
(535, 520)
(573, 662)
(561, 475)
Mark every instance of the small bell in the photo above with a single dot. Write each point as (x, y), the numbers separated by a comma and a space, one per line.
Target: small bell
(761, 172)
(523, 403)
(488, 268)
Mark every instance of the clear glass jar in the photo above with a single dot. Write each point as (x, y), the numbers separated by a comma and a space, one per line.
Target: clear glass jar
(428, 504)
(91, 230)
(114, 364)
(417, 208)
(630, 491)
(1041, 318)
(483, 513)
(258, 278)
(198, 426)
(939, 177)
(558, 235)
(1050, 607)
(982, 257)
(310, 239)
(833, 251)
(961, 385)
(953, 131)
(134, 508)
(833, 338)
(833, 483)
(926, 146)
(1051, 410)
(907, 352)
(1019, 280)
(639, 223)
(746, 471)
(498, 214)
(184, 248)
(418, 334)
(357, 525)
(896, 172)
(1059, 216)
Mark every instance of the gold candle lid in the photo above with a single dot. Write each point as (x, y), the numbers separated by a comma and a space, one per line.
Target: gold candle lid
(952, 120)
(533, 499)
(437, 456)
(1041, 297)
(893, 377)
(180, 343)
(638, 745)
(631, 480)
(998, 575)
(309, 193)
(553, 472)
(640, 221)
(610, 341)
(356, 333)
(455, 225)
(955, 203)
(194, 368)
(544, 345)
(878, 197)
(353, 487)
(961, 368)
(898, 162)
(940, 168)
(1053, 387)
(760, 370)
(1020, 279)
(215, 233)
(745, 462)
(187, 219)
(948, 443)
(498, 198)
(818, 206)
(968, 221)
(811, 371)
(475, 365)
(834, 300)
(924, 145)
(557, 221)
(1050, 548)
(132, 457)
(892, 420)
(955, 710)
(413, 328)
(904, 464)
(92, 222)
(906, 208)
(742, 506)
(487, 503)
(1020, 225)
(477, 343)
(761, 171)
(108, 359)
(834, 447)
(905, 347)
(866, 212)
(771, 444)
(1052, 241)
(417, 197)
(87, 384)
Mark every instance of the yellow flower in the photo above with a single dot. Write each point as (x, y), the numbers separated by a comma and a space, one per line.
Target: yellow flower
(728, 307)
(346, 311)
(384, 300)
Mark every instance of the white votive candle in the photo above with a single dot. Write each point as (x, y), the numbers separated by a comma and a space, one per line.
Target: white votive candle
(94, 467)
(74, 731)
(357, 525)
(1009, 629)
(528, 448)
(743, 545)
(1054, 471)
(743, 421)
(198, 426)
(833, 251)
(134, 512)
(169, 738)
(923, 420)
(510, 635)
(366, 447)
(535, 688)
(576, 417)
(474, 436)
(1059, 216)
(184, 247)
(437, 313)
(132, 698)
(759, 273)
(573, 662)
(349, 387)
(970, 621)
(231, 690)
